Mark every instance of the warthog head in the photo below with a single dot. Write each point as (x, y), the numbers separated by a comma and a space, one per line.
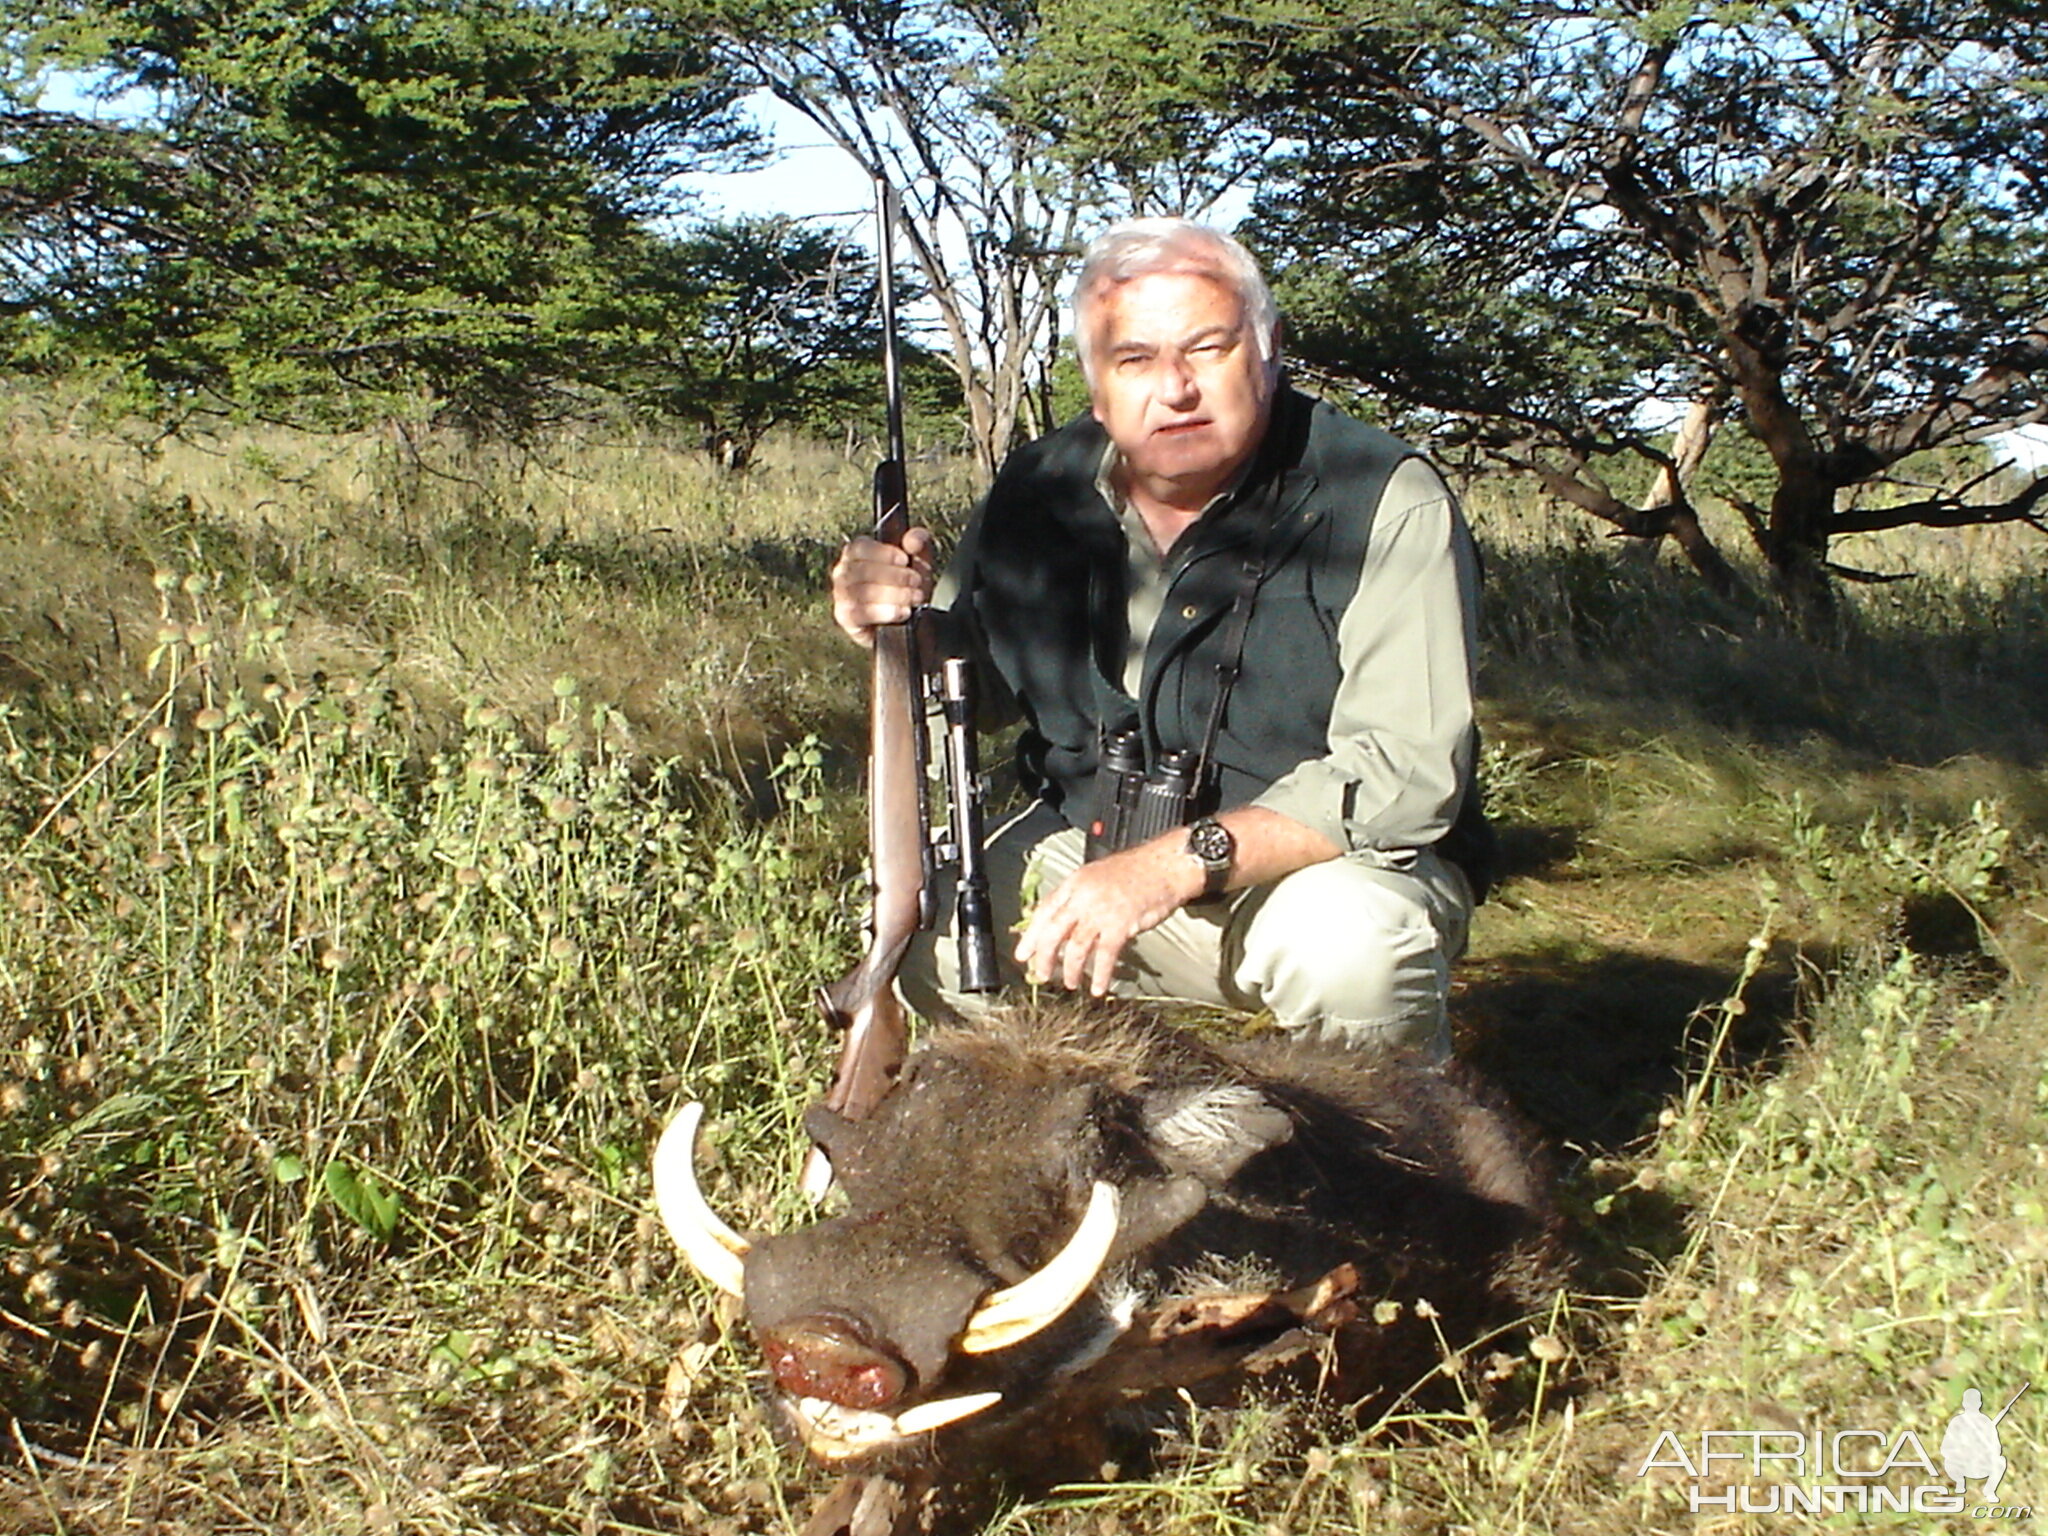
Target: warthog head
(1037, 1210)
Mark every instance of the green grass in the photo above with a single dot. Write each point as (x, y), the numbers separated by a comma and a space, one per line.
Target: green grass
(389, 841)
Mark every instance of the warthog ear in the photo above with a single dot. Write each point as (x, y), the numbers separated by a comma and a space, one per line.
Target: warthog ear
(1212, 1131)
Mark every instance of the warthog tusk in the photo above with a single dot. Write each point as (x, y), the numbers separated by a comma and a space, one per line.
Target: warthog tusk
(1015, 1313)
(947, 1410)
(833, 1433)
(713, 1249)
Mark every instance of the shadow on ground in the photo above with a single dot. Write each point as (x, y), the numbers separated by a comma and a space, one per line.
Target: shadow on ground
(1591, 1049)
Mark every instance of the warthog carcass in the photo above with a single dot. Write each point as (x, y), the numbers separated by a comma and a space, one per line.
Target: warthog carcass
(1056, 1214)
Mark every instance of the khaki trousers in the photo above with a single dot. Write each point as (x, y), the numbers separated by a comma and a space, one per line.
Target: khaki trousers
(1349, 949)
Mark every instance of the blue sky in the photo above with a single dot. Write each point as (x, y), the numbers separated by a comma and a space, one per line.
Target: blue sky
(808, 177)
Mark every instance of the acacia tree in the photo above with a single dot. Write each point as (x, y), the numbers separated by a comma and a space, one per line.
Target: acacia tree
(1822, 222)
(916, 92)
(335, 209)
(1141, 138)
(1007, 129)
(763, 322)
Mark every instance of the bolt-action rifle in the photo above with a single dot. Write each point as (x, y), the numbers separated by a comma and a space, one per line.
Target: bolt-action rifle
(904, 853)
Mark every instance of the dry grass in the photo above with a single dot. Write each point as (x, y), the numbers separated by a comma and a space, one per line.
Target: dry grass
(387, 849)
(682, 597)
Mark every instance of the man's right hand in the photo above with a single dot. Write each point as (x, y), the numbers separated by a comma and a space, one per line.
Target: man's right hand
(875, 583)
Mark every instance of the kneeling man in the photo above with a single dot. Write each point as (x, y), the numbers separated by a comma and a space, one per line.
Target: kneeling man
(1213, 579)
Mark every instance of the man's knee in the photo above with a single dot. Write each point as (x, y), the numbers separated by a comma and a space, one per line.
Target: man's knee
(1350, 951)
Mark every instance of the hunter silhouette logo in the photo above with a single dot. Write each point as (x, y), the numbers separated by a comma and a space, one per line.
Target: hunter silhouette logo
(1821, 1471)
(1969, 1447)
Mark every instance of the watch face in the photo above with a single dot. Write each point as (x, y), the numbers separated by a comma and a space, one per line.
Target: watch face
(1210, 842)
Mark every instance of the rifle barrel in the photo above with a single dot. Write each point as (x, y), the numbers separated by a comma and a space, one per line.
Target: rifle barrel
(2015, 1398)
(887, 211)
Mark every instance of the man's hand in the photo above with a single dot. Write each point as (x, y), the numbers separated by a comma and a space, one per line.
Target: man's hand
(875, 583)
(1077, 934)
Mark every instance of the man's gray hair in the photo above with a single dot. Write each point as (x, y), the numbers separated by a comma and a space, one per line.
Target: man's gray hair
(1138, 247)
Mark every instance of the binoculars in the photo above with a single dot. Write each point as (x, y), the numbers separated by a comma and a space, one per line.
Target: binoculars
(1133, 805)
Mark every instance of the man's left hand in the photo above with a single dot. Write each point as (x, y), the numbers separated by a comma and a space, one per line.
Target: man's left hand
(1077, 933)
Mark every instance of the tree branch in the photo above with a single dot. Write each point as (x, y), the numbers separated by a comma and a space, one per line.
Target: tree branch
(1945, 511)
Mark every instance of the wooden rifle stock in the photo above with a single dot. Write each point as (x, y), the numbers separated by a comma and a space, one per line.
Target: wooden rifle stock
(862, 1004)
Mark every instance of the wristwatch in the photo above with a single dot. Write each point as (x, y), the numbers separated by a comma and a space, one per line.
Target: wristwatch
(1211, 846)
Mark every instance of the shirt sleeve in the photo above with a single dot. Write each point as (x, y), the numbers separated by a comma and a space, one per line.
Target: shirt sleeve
(1401, 736)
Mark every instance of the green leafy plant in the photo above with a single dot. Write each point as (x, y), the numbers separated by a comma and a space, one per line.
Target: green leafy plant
(363, 1200)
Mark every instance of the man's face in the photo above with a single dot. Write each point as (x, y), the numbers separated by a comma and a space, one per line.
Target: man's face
(1179, 383)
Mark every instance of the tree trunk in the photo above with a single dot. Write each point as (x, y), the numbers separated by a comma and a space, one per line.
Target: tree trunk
(1683, 528)
(1795, 546)
(1671, 500)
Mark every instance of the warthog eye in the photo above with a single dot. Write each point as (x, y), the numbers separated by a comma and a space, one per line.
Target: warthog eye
(817, 1357)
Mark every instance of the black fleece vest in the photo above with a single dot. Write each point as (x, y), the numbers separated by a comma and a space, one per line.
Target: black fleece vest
(1048, 594)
